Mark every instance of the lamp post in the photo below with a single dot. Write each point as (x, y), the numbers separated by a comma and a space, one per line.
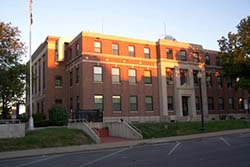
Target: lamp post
(203, 129)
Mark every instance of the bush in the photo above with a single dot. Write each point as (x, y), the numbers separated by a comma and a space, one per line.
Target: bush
(58, 116)
(38, 118)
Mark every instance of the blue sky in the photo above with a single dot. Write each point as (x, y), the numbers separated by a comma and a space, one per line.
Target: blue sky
(195, 21)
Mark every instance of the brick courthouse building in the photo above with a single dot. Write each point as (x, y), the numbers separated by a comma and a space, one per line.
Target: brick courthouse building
(133, 79)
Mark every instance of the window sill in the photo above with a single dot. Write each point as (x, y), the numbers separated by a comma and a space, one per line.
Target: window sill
(148, 84)
(150, 111)
(98, 82)
(58, 86)
(133, 111)
(116, 83)
(117, 112)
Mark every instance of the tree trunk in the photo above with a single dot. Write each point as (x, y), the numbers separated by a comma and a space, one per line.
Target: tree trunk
(5, 109)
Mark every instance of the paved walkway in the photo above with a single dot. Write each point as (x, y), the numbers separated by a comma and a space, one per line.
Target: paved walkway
(68, 149)
(112, 139)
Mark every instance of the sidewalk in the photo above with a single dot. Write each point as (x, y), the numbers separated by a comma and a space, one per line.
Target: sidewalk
(68, 149)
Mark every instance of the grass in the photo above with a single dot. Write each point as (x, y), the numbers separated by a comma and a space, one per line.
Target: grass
(49, 137)
(157, 130)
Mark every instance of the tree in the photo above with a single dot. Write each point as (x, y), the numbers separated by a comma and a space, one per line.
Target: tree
(12, 71)
(235, 54)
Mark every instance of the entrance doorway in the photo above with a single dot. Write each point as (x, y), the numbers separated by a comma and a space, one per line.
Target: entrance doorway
(185, 105)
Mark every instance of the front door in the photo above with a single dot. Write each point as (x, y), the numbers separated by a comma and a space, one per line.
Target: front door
(185, 105)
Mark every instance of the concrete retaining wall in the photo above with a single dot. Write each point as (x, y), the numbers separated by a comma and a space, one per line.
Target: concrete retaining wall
(12, 130)
(86, 129)
(123, 129)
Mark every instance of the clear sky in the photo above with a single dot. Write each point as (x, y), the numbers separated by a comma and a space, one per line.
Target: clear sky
(195, 21)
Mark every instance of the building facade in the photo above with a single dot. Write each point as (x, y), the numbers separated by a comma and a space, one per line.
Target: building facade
(133, 79)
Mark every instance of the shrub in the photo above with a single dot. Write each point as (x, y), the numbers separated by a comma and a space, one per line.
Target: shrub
(38, 118)
(58, 116)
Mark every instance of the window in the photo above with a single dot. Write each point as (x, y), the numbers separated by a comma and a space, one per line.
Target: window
(71, 104)
(132, 76)
(183, 55)
(169, 53)
(39, 75)
(218, 61)
(183, 76)
(58, 101)
(97, 74)
(131, 51)
(170, 103)
(169, 76)
(209, 79)
(38, 107)
(70, 78)
(195, 56)
(220, 103)
(195, 77)
(197, 103)
(77, 102)
(77, 49)
(115, 75)
(133, 103)
(219, 80)
(116, 103)
(58, 81)
(43, 74)
(240, 103)
(147, 77)
(207, 59)
(229, 83)
(97, 47)
(210, 102)
(146, 53)
(98, 100)
(77, 74)
(115, 49)
(149, 103)
(231, 103)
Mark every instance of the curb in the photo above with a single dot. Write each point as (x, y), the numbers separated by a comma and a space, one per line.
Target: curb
(92, 147)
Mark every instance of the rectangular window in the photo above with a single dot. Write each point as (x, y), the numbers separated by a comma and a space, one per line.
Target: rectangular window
(133, 103)
(169, 75)
(97, 47)
(131, 51)
(207, 59)
(149, 103)
(220, 103)
(70, 78)
(115, 75)
(195, 77)
(240, 103)
(39, 75)
(147, 53)
(115, 49)
(97, 74)
(58, 81)
(116, 103)
(147, 77)
(98, 100)
(58, 101)
(197, 103)
(183, 76)
(183, 55)
(43, 74)
(210, 101)
(77, 102)
(169, 53)
(209, 79)
(195, 56)
(218, 61)
(77, 49)
(219, 80)
(170, 103)
(77, 74)
(71, 104)
(132, 76)
(231, 103)
(229, 83)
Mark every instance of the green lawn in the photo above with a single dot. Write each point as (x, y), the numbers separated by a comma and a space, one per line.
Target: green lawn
(49, 137)
(157, 130)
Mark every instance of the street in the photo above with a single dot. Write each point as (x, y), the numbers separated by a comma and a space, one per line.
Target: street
(229, 151)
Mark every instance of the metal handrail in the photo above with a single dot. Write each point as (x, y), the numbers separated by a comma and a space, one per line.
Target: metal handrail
(133, 126)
